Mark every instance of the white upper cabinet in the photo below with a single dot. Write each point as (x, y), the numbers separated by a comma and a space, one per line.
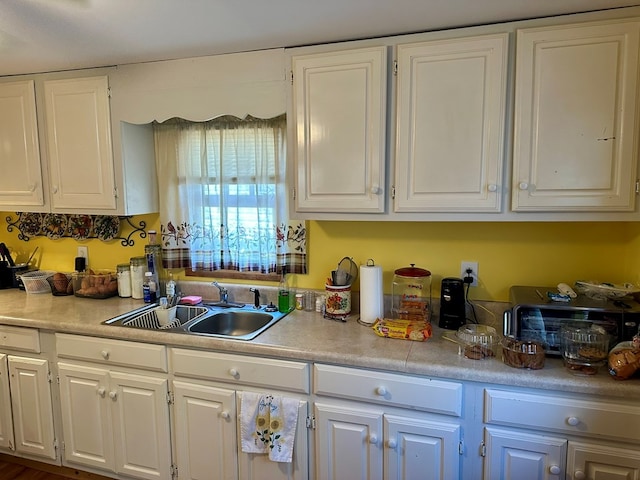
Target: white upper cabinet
(21, 182)
(450, 125)
(575, 132)
(79, 144)
(339, 107)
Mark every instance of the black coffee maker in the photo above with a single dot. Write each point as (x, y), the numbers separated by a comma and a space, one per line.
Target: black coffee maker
(452, 304)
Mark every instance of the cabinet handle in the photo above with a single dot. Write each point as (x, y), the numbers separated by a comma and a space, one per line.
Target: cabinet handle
(523, 186)
(392, 443)
(234, 372)
(373, 439)
(225, 415)
(492, 187)
(376, 190)
(102, 391)
(579, 475)
(105, 354)
(554, 470)
(381, 391)
(573, 421)
(113, 395)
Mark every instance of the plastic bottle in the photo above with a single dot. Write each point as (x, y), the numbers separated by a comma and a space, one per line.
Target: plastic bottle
(149, 288)
(284, 300)
(171, 288)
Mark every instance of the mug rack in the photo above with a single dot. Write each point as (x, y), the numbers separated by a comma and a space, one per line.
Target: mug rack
(79, 227)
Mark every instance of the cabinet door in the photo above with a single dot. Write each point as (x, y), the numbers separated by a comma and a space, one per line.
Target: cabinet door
(21, 179)
(575, 118)
(205, 431)
(514, 455)
(79, 144)
(86, 416)
(420, 448)
(32, 406)
(6, 420)
(258, 467)
(589, 460)
(348, 443)
(141, 425)
(451, 116)
(339, 102)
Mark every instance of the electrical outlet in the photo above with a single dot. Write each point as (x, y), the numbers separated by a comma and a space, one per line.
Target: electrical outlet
(84, 252)
(473, 266)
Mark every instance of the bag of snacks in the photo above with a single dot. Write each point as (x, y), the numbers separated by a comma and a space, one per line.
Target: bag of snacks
(406, 329)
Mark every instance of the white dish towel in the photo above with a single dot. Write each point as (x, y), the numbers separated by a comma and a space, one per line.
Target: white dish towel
(268, 425)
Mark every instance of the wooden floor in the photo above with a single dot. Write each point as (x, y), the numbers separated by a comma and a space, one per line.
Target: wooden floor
(15, 468)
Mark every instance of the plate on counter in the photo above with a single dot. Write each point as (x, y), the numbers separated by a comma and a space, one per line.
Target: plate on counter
(54, 225)
(106, 227)
(80, 226)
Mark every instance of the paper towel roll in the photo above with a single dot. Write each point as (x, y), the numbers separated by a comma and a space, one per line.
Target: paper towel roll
(371, 295)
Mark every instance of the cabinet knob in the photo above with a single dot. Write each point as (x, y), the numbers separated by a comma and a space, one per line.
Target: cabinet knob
(32, 187)
(225, 415)
(54, 188)
(554, 470)
(234, 372)
(573, 421)
(376, 190)
(579, 475)
(492, 187)
(373, 439)
(102, 392)
(381, 391)
(523, 186)
(112, 395)
(105, 354)
(392, 443)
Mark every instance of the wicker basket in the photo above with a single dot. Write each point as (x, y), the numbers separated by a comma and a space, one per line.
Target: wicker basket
(36, 282)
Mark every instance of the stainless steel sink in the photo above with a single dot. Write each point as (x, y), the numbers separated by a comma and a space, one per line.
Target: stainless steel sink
(239, 322)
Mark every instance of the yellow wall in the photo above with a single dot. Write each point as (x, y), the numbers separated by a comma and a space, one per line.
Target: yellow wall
(507, 253)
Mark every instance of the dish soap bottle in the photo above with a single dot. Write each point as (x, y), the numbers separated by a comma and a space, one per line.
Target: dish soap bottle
(283, 293)
(171, 289)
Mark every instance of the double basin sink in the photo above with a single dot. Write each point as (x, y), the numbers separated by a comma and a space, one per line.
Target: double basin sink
(240, 322)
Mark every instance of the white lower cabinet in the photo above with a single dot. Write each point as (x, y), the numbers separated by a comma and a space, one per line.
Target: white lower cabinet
(26, 408)
(549, 436)
(207, 391)
(377, 440)
(115, 418)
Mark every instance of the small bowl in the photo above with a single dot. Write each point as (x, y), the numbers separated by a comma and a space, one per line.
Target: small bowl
(523, 353)
(60, 284)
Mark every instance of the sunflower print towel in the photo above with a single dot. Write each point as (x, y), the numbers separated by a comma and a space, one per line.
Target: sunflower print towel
(268, 425)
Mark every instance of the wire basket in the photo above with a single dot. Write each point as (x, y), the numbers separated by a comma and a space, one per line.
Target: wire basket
(36, 282)
(149, 320)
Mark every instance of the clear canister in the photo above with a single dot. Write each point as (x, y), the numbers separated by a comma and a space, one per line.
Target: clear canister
(411, 294)
(138, 267)
(124, 280)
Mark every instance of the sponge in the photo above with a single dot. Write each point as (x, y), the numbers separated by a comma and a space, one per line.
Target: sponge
(191, 300)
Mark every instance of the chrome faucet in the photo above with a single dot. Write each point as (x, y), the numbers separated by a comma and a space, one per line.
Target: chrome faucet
(256, 297)
(224, 293)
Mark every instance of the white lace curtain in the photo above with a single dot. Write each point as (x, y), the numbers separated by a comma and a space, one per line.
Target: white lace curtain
(223, 197)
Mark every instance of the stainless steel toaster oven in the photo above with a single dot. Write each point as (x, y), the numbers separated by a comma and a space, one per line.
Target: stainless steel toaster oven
(533, 315)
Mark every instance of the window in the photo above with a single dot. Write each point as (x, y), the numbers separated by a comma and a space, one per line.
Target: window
(223, 197)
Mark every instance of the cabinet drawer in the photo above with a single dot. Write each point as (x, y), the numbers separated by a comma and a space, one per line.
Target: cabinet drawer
(112, 352)
(264, 372)
(436, 396)
(18, 338)
(562, 414)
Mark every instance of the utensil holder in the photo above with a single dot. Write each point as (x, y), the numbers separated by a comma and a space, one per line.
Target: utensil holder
(338, 302)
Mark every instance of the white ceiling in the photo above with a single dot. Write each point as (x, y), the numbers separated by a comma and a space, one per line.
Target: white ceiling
(51, 35)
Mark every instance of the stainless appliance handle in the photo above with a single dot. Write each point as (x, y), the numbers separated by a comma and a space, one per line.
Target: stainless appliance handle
(507, 326)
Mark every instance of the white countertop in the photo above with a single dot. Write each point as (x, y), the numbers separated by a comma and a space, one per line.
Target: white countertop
(308, 336)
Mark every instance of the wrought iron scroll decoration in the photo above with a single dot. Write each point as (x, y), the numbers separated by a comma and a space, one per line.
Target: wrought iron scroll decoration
(57, 226)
